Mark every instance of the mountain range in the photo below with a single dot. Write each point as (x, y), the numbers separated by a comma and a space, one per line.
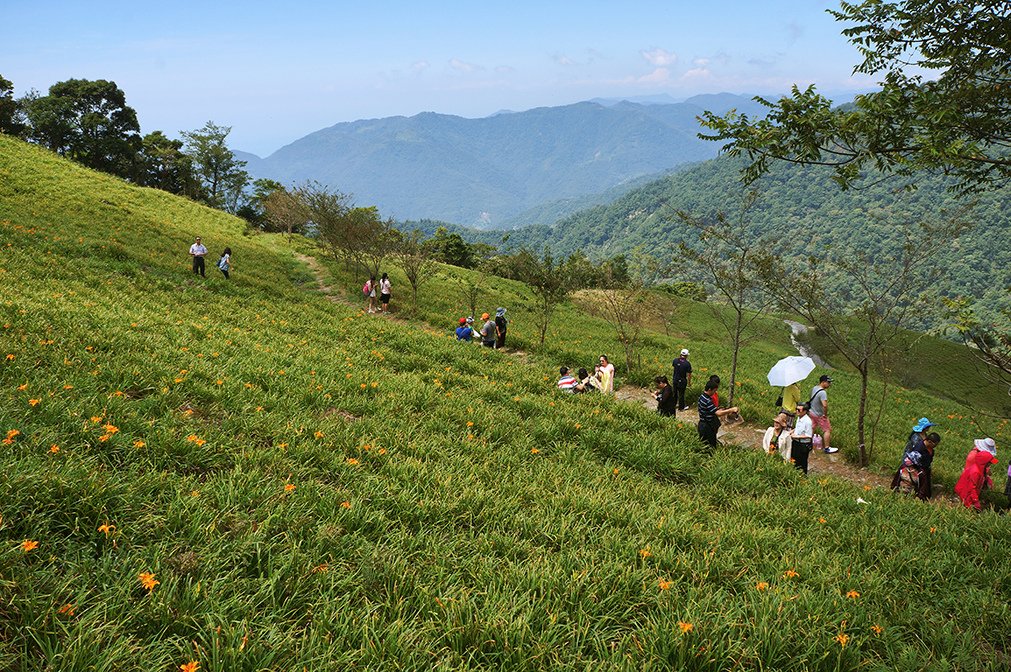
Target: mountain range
(503, 169)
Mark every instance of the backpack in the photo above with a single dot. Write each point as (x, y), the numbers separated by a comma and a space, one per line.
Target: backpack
(366, 289)
(221, 263)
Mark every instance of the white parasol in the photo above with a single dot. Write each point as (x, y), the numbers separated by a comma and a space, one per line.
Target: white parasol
(790, 370)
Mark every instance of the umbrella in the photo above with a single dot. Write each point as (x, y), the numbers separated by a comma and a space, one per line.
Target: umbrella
(790, 370)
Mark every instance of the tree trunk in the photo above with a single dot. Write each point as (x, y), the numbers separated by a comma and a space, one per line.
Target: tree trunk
(733, 365)
(861, 412)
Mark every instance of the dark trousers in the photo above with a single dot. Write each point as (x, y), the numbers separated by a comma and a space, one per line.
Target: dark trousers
(500, 341)
(198, 266)
(680, 385)
(225, 273)
(707, 433)
(800, 451)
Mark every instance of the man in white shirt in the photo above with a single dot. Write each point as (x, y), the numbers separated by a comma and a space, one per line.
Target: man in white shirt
(198, 252)
(802, 437)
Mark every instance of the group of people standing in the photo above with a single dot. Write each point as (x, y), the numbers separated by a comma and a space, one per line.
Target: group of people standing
(491, 334)
(602, 379)
(198, 251)
(384, 289)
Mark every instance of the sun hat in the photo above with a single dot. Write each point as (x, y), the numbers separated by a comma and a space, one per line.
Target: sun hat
(484, 316)
(922, 424)
(499, 312)
(988, 445)
(684, 352)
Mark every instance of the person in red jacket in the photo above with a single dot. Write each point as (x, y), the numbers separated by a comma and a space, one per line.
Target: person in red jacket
(975, 476)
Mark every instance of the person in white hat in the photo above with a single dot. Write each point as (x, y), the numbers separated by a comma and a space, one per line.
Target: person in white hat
(976, 474)
(681, 379)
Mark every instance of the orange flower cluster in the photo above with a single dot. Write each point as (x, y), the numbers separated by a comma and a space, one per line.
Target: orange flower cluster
(762, 585)
(842, 638)
(193, 438)
(191, 666)
(790, 574)
(665, 584)
(29, 545)
(11, 434)
(66, 610)
(685, 627)
(148, 581)
(853, 594)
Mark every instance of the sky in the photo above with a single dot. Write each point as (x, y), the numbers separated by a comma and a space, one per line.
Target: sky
(276, 71)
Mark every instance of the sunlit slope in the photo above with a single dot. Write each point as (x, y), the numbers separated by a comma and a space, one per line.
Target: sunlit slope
(312, 488)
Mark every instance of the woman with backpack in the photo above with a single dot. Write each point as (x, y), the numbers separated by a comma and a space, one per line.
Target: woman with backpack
(225, 262)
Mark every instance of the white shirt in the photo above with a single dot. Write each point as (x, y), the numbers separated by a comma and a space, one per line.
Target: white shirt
(198, 249)
(804, 429)
(384, 286)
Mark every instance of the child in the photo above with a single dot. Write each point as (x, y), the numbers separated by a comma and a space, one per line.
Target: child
(225, 262)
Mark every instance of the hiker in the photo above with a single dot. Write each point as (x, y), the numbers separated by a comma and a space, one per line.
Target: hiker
(384, 293)
(777, 438)
(225, 262)
(682, 378)
(913, 475)
(790, 399)
(487, 331)
(501, 325)
(976, 475)
(818, 405)
(369, 291)
(587, 383)
(605, 374)
(802, 437)
(464, 332)
(666, 404)
(198, 252)
(566, 383)
(710, 412)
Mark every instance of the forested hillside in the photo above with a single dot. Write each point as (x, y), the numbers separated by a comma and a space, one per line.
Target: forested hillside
(801, 211)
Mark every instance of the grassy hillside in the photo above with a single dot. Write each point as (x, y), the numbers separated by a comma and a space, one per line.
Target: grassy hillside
(312, 488)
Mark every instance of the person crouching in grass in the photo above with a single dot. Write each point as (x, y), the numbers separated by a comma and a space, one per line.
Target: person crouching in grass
(666, 401)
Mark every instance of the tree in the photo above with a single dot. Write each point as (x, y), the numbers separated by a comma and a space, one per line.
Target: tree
(886, 289)
(471, 290)
(450, 248)
(12, 115)
(89, 122)
(724, 256)
(253, 208)
(416, 262)
(548, 281)
(283, 210)
(163, 165)
(356, 235)
(623, 303)
(958, 123)
(989, 342)
(221, 174)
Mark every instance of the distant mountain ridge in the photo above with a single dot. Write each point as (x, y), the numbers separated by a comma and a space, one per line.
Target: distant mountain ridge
(486, 172)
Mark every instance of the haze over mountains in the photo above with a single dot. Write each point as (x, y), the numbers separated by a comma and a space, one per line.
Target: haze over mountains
(487, 172)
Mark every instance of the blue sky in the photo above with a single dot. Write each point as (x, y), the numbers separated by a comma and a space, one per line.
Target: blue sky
(276, 71)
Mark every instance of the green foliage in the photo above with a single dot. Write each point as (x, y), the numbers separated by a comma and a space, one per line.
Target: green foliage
(447, 508)
(89, 122)
(220, 173)
(956, 122)
(163, 165)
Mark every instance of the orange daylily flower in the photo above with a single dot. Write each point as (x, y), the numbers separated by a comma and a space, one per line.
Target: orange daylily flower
(191, 666)
(34, 402)
(645, 552)
(345, 504)
(685, 627)
(877, 629)
(790, 574)
(853, 594)
(54, 449)
(139, 444)
(66, 610)
(762, 585)
(148, 581)
(288, 487)
(842, 638)
(29, 545)
(352, 461)
(534, 451)
(22, 388)
(321, 569)
(664, 584)
(107, 529)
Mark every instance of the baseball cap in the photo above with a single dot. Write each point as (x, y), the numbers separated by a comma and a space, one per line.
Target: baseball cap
(684, 352)
(825, 379)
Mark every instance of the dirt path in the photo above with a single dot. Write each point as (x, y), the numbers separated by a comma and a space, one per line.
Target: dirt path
(740, 433)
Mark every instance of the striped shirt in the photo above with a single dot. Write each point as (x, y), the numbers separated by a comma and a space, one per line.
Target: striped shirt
(567, 384)
(707, 408)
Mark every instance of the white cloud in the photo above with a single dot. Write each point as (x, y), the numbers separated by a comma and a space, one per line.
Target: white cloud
(658, 76)
(463, 66)
(660, 57)
(419, 66)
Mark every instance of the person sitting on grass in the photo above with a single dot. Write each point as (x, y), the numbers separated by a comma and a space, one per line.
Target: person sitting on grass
(566, 383)
(666, 400)
(710, 413)
(975, 477)
(913, 475)
(777, 438)
(464, 332)
(587, 383)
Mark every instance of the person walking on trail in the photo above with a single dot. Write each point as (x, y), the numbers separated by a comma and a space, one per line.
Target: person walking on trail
(913, 474)
(369, 291)
(976, 474)
(664, 395)
(501, 326)
(385, 290)
(802, 437)
(681, 379)
(198, 252)
(818, 405)
(710, 413)
(605, 374)
(225, 262)
(487, 331)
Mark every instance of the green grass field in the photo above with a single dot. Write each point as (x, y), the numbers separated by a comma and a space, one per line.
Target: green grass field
(314, 488)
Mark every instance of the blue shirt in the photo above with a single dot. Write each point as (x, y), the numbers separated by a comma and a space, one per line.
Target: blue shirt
(707, 409)
(464, 333)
